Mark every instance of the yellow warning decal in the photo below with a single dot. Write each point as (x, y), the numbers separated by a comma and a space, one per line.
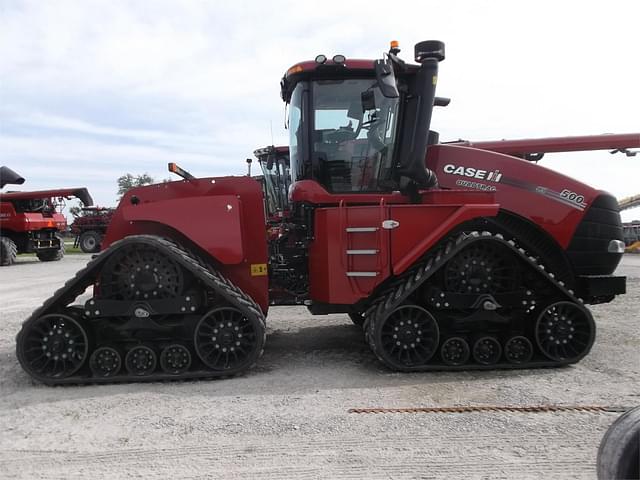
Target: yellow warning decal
(258, 269)
(434, 79)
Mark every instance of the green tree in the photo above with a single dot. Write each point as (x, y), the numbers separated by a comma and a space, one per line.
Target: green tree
(127, 182)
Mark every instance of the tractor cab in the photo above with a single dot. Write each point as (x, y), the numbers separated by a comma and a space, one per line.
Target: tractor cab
(362, 126)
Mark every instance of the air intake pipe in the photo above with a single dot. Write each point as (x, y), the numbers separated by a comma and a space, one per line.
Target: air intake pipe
(420, 106)
(8, 176)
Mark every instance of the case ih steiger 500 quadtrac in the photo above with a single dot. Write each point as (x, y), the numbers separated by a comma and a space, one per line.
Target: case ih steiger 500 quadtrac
(30, 221)
(450, 256)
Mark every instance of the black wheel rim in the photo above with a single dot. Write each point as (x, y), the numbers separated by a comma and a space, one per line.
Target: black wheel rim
(484, 267)
(141, 272)
(105, 362)
(455, 351)
(409, 336)
(140, 361)
(518, 350)
(175, 359)
(487, 351)
(54, 346)
(225, 339)
(565, 331)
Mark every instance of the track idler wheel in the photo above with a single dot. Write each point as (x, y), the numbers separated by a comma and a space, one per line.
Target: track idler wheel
(565, 331)
(175, 359)
(53, 346)
(518, 350)
(455, 351)
(407, 337)
(227, 339)
(487, 350)
(105, 362)
(141, 361)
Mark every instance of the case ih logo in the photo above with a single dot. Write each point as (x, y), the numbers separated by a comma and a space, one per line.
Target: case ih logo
(487, 175)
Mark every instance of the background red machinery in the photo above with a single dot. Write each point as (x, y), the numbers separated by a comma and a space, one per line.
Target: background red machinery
(31, 222)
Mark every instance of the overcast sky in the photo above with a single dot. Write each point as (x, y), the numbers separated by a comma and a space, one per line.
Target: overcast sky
(92, 89)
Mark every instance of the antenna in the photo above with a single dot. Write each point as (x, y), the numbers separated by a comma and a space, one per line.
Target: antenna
(271, 129)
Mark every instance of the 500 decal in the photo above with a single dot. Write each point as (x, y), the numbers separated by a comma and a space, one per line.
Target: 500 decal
(573, 197)
(487, 175)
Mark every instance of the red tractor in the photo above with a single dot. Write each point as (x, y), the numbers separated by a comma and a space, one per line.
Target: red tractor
(451, 257)
(30, 221)
(90, 226)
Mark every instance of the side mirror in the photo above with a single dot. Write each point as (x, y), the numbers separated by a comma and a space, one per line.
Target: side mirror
(386, 78)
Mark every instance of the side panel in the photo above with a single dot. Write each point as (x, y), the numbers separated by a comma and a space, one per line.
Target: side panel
(223, 218)
(349, 256)
(553, 201)
(352, 254)
(218, 222)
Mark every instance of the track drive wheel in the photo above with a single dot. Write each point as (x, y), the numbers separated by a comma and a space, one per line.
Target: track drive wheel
(8, 251)
(53, 346)
(407, 337)
(565, 331)
(226, 339)
(141, 272)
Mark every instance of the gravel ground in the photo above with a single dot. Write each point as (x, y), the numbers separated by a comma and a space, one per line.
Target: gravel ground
(287, 418)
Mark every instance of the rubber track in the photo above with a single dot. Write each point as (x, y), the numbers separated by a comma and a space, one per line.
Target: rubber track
(394, 295)
(195, 265)
(496, 408)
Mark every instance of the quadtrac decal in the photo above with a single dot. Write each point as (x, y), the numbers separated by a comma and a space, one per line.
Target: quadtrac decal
(471, 175)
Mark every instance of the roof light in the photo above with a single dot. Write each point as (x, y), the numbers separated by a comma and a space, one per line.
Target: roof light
(294, 69)
(394, 44)
(321, 59)
(339, 59)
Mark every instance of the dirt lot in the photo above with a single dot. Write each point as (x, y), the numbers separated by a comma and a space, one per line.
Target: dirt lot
(288, 418)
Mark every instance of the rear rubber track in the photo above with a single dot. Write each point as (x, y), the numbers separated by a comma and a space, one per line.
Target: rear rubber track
(203, 271)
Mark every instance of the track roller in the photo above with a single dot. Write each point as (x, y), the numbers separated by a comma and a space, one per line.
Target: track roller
(141, 361)
(54, 346)
(565, 331)
(487, 350)
(175, 359)
(455, 351)
(518, 350)
(105, 362)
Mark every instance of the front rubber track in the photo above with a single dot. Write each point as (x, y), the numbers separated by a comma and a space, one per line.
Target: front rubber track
(398, 292)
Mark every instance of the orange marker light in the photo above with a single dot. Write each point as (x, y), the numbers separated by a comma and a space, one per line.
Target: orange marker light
(395, 44)
(172, 167)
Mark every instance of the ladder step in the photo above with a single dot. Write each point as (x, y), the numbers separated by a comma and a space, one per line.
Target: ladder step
(362, 252)
(362, 274)
(361, 229)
